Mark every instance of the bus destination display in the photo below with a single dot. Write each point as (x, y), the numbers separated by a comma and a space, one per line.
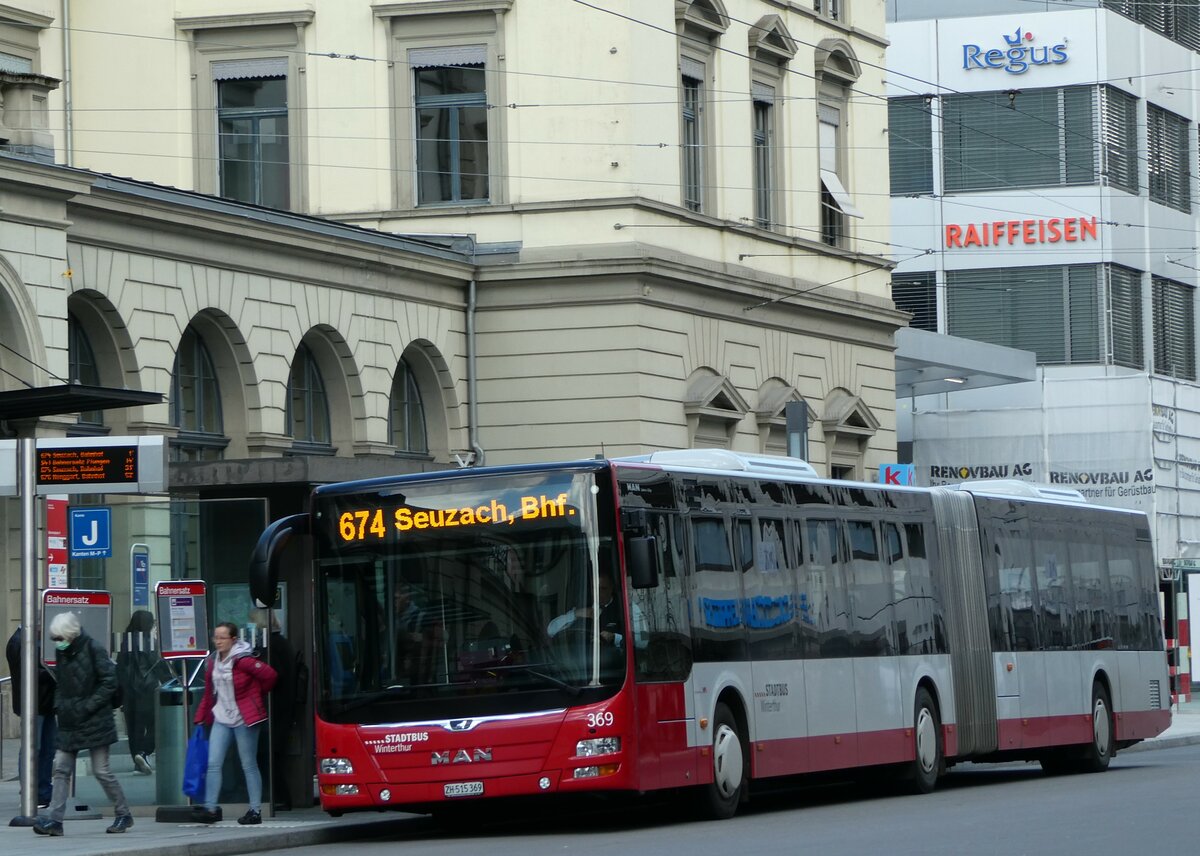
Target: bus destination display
(87, 465)
(374, 523)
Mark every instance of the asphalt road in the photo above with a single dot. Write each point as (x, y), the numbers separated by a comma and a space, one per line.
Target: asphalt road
(1139, 806)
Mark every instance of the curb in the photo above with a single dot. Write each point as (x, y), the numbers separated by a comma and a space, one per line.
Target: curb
(1163, 743)
(281, 840)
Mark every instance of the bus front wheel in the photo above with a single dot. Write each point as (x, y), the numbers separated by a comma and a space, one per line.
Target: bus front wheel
(729, 766)
(927, 742)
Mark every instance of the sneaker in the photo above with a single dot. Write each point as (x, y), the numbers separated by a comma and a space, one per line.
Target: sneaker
(142, 764)
(205, 815)
(250, 818)
(46, 826)
(122, 822)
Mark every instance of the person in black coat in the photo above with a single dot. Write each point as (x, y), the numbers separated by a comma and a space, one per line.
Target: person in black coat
(141, 670)
(284, 704)
(87, 682)
(45, 733)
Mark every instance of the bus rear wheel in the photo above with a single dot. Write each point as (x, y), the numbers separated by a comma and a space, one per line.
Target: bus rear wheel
(723, 796)
(926, 767)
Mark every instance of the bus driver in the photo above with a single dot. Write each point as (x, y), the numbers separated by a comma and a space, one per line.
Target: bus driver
(610, 623)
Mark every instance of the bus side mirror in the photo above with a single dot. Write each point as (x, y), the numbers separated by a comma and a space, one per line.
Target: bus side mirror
(264, 561)
(642, 552)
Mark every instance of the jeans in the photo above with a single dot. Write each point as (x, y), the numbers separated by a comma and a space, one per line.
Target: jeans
(44, 738)
(218, 745)
(64, 766)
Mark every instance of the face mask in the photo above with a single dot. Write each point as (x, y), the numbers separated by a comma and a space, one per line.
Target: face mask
(63, 645)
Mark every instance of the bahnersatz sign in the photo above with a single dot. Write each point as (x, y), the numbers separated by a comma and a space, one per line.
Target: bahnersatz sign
(1016, 55)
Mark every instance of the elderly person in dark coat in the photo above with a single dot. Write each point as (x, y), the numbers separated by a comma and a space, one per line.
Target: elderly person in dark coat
(87, 680)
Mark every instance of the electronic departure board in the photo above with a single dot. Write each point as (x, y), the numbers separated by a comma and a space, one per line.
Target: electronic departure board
(68, 465)
(87, 465)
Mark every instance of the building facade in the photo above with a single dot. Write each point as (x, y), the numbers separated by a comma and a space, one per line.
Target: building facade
(1047, 159)
(352, 238)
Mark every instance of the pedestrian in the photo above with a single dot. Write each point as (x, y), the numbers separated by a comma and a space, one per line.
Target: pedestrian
(233, 708)
(141, 671)
(87, 682)
(45, 729)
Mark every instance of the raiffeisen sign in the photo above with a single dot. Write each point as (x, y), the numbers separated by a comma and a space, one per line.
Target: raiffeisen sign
(1017, 55)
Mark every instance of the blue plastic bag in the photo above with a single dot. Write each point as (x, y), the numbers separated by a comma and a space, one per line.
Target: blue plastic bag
(195, 764)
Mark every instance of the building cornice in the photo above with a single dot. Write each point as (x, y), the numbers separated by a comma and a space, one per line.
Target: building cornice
(245, 19)
(439, 7)
(11, 14)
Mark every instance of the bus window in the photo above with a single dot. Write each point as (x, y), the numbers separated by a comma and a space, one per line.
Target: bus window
(871, 590)
(917, 610)
(718, 592)
(1052, 577)
(770, 594)
(1017, 625)
(667, 655)
(1089, 580)
(822, 590)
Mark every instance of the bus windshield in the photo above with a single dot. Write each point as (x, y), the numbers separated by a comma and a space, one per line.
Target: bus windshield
(465, 596)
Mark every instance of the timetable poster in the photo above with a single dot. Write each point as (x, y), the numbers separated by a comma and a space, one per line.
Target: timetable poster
(182, 617)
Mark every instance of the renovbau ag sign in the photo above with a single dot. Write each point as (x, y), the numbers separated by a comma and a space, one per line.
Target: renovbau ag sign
(1014, 52)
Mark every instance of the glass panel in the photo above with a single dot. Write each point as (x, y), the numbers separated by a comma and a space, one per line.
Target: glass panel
(210, 542)
(451, 134)
(473, 152)
(237, 159)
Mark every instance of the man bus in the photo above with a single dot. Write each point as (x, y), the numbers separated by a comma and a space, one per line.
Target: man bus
(774, 624)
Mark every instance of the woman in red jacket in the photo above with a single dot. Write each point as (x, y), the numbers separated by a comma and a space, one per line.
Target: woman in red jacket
(234, 707)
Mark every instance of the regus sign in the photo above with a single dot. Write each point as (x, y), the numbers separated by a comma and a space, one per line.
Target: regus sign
(1016, 56)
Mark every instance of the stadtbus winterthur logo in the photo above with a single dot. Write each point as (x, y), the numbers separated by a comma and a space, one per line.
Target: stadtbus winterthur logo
(1018, 54)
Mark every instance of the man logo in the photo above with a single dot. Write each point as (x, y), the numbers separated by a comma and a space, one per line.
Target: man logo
(461, 756)
(461, 724)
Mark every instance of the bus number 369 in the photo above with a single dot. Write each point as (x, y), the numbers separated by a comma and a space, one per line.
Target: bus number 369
(595, 720)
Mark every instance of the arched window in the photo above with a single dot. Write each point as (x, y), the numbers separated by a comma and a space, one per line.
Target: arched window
(407, 413)
(82, 365)
(196, 403)
(307, 407)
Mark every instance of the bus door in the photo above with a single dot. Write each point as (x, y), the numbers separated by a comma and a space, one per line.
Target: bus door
(666, 720)
(1017, 668)
(769, 610)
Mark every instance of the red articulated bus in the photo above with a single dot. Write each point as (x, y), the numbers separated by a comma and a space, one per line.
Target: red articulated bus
(704, 619)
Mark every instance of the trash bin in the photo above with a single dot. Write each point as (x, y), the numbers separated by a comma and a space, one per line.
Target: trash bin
(171, 733)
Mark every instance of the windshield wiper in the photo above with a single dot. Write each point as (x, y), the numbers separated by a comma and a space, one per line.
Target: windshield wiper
(530, 670)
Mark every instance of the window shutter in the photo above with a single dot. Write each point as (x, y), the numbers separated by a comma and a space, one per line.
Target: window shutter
(1174, 329)
(1042, 138)
(910, 146)
(689, 67)
(1125, 316)
(1083, 307)
(916, 293)
(1167, 158)
(1024, 307)
(1120, 138)
(15, 64)
(250, 69)
(447, 56)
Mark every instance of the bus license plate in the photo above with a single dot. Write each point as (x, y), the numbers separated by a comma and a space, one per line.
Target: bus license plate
(463, 789)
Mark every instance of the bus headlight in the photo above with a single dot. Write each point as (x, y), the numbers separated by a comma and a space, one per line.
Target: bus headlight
(597, 746)
(336, 766)
(339, 790)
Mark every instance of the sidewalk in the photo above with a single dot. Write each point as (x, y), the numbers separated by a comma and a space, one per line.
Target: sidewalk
(297, 828)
